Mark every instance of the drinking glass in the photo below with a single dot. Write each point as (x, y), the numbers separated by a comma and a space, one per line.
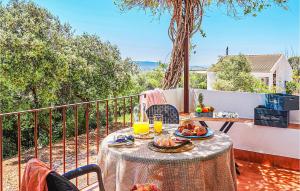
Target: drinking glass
(158, 123)
(140, 124)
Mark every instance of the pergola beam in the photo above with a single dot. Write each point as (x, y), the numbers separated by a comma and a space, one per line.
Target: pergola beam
(186, 69)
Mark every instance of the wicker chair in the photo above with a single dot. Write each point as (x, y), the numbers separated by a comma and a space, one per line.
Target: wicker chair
(169, 112)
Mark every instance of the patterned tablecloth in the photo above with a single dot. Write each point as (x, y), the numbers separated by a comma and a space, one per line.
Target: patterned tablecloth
(209, 166)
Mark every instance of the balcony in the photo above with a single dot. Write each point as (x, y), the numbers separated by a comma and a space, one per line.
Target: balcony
(268, 157)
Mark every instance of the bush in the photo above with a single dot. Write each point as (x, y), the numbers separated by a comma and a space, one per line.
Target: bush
(44, 64)
(292, 87)
(234, 74)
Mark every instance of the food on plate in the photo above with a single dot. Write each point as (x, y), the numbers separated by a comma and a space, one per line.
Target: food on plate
(198, 109)
(192, 130)
(200, 130)
(203, 109)
(200, 100)
(211, 109)
(164, 141)
(169, 142)
(122, 140)
(185, 122)
(145, 187)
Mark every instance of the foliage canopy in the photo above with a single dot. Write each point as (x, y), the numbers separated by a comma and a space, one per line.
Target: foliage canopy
(43, 63)
(233, 74)
(293, 87)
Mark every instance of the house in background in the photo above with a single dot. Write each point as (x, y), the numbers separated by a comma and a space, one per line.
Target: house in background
(273, 69)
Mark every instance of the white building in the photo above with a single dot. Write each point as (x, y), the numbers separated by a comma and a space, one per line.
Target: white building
(273, 69)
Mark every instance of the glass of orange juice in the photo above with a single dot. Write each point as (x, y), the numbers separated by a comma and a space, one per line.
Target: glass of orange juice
(158, 123)
(141, 128)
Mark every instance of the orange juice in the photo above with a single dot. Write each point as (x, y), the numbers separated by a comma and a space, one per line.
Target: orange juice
(158, 126)
(141, 128)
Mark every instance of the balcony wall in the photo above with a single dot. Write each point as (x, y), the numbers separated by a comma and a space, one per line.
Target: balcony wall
(246, 136)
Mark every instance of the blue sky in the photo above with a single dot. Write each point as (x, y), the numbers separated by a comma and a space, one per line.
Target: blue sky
(141, 36)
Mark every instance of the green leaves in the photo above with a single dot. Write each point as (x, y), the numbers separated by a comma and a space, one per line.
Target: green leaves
(233, 74)
(293, 87)
(43, 63)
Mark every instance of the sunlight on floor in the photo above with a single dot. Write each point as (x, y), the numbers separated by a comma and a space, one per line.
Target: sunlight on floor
(256, 177)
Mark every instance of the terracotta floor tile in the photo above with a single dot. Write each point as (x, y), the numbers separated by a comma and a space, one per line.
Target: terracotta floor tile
(256, 177)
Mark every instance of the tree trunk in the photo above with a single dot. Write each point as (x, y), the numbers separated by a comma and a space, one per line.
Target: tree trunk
(35, 97)
(174, 71)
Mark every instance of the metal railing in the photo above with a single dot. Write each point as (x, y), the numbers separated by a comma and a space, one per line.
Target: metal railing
(126, 110)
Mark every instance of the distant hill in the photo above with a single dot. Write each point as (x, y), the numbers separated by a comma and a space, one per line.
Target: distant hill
(198, 68)
(150, 65)
(146, 65)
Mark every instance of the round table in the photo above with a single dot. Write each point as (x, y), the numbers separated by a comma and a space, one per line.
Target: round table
(209, 166)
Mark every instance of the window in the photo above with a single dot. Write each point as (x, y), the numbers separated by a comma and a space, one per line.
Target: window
(285, 84)
(265, 80)
(274, 79)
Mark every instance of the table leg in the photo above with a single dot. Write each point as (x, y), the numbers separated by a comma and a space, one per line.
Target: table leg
(237, 170)
(228, 127)
(224, 126)
(203, 123)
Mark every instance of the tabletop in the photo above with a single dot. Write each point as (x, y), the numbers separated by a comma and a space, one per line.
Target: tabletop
(208, 166)
(204, 149)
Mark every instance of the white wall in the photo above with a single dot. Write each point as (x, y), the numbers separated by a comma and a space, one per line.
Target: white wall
(246, 136)
(263, 139)
(175, 97)
(241, 102)
(211, 79)
(284, 73)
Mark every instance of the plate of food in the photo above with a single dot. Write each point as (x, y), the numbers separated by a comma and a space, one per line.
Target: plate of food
(149, 135)
(122, 141)
(192, 131)
(168, 144)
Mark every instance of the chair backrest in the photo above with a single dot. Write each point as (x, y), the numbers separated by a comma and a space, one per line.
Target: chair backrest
(56, 182)
(85, 170)
(36, 170)
(169, 112)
